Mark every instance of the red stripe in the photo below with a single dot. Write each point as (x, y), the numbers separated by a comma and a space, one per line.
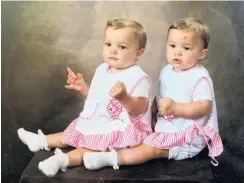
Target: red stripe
(149, 94)
(163, 140)
(131, 136)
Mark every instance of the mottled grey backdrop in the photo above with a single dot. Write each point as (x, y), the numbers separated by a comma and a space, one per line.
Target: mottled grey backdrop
(41, 39)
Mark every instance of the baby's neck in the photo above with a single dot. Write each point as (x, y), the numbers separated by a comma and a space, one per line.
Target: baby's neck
(183, 70)
(113, 69)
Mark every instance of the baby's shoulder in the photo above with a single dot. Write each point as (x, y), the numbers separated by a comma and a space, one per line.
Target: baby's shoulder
(166, 69)
(139, 70)
(135, 72)
(201, 71)
(102, 66)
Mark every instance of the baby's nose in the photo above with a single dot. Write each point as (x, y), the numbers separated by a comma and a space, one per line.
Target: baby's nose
(113, 50)
(178, 53)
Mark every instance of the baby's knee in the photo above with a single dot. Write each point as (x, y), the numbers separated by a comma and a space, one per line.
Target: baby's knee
(160, 153)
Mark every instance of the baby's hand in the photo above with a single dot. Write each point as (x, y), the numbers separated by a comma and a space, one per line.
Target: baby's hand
(166, 106)
(118, 91)
(76, 82)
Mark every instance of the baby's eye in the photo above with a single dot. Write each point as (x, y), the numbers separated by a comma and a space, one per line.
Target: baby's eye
(107, 44)
(187, 48)
(123, 47)
(171, 45)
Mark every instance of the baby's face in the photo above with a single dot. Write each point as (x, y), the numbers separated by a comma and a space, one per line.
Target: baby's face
(120, 48)
(184, 49)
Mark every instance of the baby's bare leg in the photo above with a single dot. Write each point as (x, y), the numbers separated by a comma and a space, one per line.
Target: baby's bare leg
(55, 140)
(76, 156)
(39, 141)
(140, 154)
(60, 161)
(131, 156)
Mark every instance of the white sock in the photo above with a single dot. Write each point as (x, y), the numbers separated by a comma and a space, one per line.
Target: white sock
(50, 166)
(97, 160)
(34, 141)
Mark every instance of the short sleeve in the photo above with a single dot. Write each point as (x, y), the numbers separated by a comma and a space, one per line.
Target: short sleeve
(203, 91)
(143, 89)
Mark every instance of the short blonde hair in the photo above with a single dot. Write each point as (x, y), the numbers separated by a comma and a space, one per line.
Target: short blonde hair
(193, 24)
(137, 27)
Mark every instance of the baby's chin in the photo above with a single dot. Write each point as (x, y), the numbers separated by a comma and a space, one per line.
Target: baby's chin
(181, 67)
(118, 66)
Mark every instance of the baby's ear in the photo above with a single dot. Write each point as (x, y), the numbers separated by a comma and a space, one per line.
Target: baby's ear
(203, 54)
(139, 53)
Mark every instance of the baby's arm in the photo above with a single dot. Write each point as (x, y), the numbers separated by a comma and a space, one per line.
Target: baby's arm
(133, 105)
(201, 105)
(192, 110)
(76, 82)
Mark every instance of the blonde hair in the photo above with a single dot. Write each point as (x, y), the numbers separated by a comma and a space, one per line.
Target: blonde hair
(137, 27)
(195, 25)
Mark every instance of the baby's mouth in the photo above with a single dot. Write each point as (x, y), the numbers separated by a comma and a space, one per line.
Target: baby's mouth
(112, 58)
(177, 61)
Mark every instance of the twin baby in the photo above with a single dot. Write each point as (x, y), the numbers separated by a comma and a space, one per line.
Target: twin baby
(114, 127)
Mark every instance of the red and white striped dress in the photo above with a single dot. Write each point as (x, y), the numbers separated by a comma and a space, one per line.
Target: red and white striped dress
(104, 124)
(192, 135)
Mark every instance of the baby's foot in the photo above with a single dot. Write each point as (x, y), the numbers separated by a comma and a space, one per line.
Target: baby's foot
(50, 166)
(58, 151)
(35, 142)
(97, 160)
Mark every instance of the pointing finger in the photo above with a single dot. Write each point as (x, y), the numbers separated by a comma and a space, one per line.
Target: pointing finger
(70, 71)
